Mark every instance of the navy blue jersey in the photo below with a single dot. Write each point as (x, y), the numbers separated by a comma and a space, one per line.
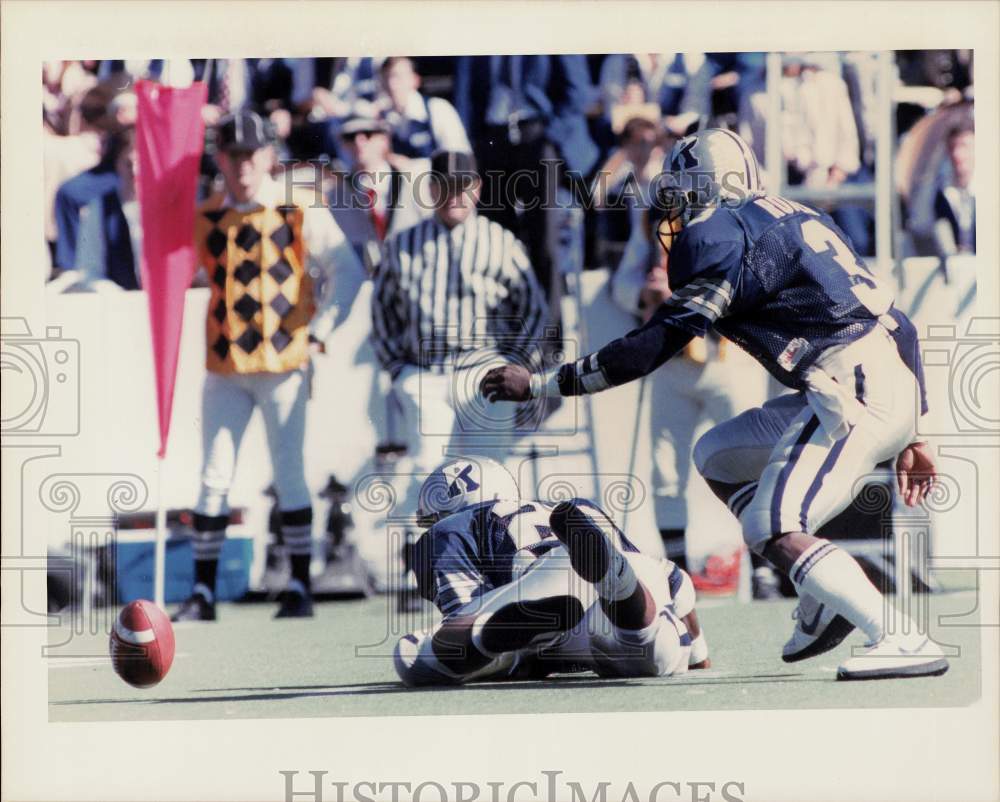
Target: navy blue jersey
(776, 277)
(473, 550)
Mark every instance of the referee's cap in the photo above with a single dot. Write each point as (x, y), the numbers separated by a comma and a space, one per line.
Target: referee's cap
(243, 131)
(454, 167)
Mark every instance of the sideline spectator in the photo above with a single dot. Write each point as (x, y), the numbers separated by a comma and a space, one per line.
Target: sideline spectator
(955, 201)
(374, 200)
(526, 117)
(819, 135)
(324, 91)
(67, 156)
(64, 83)
(657, 78)
(420, 125)
(622, 185)
(110, 241)
(100, 186)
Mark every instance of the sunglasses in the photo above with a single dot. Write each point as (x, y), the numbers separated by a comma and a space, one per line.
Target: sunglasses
(355, 134)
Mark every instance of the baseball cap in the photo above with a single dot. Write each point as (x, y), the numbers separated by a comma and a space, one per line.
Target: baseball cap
(363, 121)
(243, 131)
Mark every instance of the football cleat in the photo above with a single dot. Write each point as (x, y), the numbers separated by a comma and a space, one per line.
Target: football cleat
(294, 603)
(817, 630)
(892, 658)
(591, 550)
(196, 607)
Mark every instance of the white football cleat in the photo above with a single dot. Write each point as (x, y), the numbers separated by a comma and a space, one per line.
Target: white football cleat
(896, 657)
(817, 630)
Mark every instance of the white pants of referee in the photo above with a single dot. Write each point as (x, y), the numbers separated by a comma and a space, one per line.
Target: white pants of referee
(227, 404)
(685, 396)
(806, 455)
(660, 649)
(445, 416)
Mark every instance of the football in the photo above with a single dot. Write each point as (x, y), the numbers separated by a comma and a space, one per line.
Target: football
(142, 644)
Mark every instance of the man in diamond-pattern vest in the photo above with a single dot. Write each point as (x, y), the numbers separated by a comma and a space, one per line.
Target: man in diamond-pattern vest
(259, 245)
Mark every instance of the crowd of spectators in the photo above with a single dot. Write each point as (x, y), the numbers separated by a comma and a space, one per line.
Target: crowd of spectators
(547, 131)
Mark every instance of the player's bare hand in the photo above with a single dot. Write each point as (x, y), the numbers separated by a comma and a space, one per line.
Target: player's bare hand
(506, 383)
(915, 473)
(316, 346)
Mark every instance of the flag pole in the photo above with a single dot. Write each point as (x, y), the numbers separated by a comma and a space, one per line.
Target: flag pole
(160, 550)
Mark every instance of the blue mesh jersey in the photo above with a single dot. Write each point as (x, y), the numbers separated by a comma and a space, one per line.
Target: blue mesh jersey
(468, 553)
(779, 279)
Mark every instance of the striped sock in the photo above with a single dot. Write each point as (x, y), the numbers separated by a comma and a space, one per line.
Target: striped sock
(209, 535)
(740, 498)
(831, 576)
(296, 531)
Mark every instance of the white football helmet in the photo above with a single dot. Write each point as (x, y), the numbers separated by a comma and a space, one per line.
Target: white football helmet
(463, 482)
(710, 168)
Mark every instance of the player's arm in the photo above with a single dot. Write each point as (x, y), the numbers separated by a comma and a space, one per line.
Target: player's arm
(446, 571)
(711, 265)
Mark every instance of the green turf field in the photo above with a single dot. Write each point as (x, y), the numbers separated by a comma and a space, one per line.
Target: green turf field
(249, 666)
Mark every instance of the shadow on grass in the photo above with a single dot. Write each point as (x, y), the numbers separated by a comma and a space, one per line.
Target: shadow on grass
(271, 693)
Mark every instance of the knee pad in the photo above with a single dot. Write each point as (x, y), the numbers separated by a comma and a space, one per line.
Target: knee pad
(708, 445)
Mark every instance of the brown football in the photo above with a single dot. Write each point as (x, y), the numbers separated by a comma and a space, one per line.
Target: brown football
(142, 644)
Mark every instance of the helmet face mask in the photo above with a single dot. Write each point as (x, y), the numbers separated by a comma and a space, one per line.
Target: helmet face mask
(706, 170)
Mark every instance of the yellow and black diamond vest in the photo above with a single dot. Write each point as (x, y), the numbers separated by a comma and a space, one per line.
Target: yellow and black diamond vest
(262, 298)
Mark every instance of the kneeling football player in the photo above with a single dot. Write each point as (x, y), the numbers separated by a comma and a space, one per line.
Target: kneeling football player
(528, 589)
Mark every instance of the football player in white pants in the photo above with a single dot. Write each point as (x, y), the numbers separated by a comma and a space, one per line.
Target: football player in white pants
(529, 589)
(779, 279)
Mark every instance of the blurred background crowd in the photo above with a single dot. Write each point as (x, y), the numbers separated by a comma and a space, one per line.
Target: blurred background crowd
(883, 141)
(607, 118)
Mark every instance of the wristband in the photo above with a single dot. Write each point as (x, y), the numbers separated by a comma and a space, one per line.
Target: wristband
(544, 385)
(699, 650)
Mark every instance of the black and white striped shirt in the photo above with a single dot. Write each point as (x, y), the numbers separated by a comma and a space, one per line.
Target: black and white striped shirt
(448, 297)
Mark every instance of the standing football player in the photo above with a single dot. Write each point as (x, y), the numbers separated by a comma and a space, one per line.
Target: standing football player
(780, 279)
(528, 589)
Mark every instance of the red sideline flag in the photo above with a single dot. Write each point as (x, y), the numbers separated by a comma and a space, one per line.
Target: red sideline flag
(169, 139)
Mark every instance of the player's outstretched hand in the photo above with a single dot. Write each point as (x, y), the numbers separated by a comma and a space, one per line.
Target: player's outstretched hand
(506, 383)
(915, 473)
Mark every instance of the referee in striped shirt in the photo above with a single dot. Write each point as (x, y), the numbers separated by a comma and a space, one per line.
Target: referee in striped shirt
(454, 296)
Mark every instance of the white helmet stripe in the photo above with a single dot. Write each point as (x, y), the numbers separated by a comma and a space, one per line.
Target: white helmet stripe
(748, 159)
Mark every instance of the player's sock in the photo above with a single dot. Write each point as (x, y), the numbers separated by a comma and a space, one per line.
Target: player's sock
(830, 575)
(675, 546)
(209, 535)
(296, 530)
(590, 543)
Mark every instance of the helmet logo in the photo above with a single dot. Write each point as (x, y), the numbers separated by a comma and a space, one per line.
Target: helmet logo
(689, 159)
(464, 477)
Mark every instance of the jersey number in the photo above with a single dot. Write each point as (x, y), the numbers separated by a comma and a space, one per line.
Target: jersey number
(866, 289)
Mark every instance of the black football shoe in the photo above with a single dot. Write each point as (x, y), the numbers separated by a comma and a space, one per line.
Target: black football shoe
(196, 607)
(295, 602)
